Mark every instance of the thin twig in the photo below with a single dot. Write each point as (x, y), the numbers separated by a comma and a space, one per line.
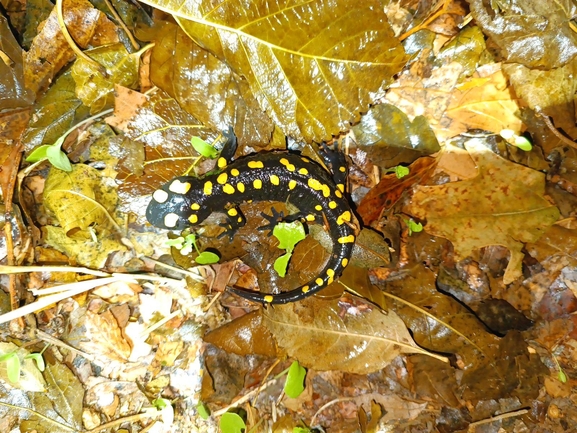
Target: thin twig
(555, 131)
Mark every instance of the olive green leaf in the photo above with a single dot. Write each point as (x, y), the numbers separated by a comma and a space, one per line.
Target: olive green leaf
(313, 66)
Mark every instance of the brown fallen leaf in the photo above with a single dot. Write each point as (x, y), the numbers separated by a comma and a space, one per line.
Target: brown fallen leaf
(503, 205)
(320, 336)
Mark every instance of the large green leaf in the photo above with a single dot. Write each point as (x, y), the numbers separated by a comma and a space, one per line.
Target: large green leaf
(313, 66)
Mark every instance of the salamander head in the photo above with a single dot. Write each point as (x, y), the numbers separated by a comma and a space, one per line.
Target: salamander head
(178, 204)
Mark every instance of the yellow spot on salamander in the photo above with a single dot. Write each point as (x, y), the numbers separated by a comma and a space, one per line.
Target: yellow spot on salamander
(303, 171)
(345, 216)
(160, 196)
(179, 187)
(208, 187)
(221, 162)
(338, 194)
(234, 172)
(274, 179)
(222, 178)
(341, 187)
(268, 298)
(255, 164)
(333, 204)
(331, 275)
(228, 189)
(310, 217)
(344, 262)
(195, 206)
(314, 184)
(232, 212)
(287, 164)
(292, 184)
(326, 190)
(193, 219)
(342, 169)
(240, 187)
(305, 289)
(257, 184)
(319, 281)
(319, 207)
(347, 239)
(239, 219)
(304, 159)
(170, 219)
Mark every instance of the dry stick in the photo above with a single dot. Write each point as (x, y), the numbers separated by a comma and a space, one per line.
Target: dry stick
(555, 131)
(497, 418)
(79, 53)
(129, 419)
(122, 24)
(246, 397)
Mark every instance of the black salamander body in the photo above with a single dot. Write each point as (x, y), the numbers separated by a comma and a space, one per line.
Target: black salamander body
(278, 176)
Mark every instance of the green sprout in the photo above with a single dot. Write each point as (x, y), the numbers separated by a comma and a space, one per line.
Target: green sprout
(399, 170)
(413, 226)
(203, 148)
(516, 140)
(186, 244)
(288, 235)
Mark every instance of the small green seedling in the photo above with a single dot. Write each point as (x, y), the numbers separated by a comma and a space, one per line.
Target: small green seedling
(301, 430)
(38, 359)
(288, 235)
(399, 170)
(185, 246)
(53, 153)
(295, 380)
(204, 148)
(232, 423)
(203, 410)
(413, 226)
(516, 140)
(560, 373)
(12, 366)
(160, 403)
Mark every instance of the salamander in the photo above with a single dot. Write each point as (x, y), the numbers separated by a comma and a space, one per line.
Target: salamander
(278, 176)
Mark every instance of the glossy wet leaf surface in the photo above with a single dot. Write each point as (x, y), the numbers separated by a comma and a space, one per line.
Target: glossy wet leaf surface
(300, 77)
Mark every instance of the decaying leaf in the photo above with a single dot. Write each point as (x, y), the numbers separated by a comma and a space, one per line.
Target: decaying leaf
(484, 103)
(536, 34)
(96, 90)
(50, 52)
(301, 77)
(315, 333)
(207, 88)
(80, 199)
(391, 138)
(13, 93)
(503, 205)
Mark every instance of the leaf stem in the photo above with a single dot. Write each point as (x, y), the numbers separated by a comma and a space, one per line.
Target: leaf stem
(71, 43)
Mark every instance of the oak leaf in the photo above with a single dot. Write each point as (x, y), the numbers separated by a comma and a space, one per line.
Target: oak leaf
(502, 205)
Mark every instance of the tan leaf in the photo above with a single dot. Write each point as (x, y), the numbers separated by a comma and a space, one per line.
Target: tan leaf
(320, 336)
(313, 66)
(80, 198)
(483, 103)
(50, 51)
(502, 205)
